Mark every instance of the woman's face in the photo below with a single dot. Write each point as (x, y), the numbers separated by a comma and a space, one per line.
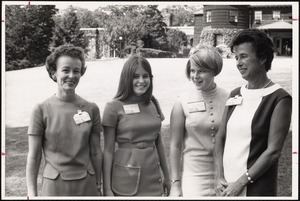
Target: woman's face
(68, 72)
(203, 80)
(249, 65)
(141, 81)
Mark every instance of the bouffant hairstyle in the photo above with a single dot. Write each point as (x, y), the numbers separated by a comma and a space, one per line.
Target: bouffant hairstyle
(261, 43)
(125, 89)
(206, 58)
(64, 50)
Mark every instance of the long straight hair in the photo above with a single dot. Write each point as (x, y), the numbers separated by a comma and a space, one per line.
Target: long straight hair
(125, 88)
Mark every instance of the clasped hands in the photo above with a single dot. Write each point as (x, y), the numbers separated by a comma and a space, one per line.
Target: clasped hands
(226, 189)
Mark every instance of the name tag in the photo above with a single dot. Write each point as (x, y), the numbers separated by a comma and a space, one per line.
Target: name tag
(197, 107)
(81, 117)
(237, 100)
(131, 109)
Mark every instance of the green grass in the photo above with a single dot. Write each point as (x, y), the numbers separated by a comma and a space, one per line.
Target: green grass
(17, 148)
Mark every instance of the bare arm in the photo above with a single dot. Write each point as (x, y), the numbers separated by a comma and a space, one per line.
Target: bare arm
(96, 157)
(33, 163)
(109, 147)
(279, 127)
(218, 155)
(177, 126)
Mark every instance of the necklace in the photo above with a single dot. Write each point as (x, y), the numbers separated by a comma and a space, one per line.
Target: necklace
(264, 86)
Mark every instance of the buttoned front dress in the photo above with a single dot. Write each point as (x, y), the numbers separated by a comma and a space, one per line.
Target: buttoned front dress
(68, 170)
(135, 171)
(248, 126)
(201, 127)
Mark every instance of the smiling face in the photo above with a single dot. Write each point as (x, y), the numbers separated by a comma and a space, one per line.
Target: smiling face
(203, 80)
(68, 73)
(249, 65)
(141, 81)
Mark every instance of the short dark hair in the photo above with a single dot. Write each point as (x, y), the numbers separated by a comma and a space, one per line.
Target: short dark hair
(205, 57)
(261, 42)
(125, 89)
(64, 50)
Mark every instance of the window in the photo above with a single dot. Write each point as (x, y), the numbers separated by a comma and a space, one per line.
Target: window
(219, 39)
(233, 16)
(208, 16)
(257, 16)
(276, 14)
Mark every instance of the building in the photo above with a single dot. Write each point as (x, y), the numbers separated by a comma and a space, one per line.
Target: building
(216, 24)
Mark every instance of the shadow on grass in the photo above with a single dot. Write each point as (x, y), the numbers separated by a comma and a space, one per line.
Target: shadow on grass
(16, 149)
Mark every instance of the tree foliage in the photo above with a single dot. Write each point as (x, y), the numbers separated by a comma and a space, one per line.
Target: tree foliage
(181, 15)
(67, 30)
(176, 39)
(128, 25)
(28, 33)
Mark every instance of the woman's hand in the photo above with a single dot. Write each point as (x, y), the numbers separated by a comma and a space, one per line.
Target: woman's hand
(233, 189)
(176, 190)
(166, 187)
(220, 186)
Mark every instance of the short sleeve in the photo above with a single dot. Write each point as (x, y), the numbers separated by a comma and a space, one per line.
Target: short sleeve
(36, 123)
(96, 128)
(110, 116)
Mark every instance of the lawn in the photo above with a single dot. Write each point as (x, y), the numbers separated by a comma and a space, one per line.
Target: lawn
(24, 88)
(16, 146)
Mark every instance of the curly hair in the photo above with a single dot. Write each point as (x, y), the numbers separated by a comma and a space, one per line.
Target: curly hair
(262, 44)
(64, 50)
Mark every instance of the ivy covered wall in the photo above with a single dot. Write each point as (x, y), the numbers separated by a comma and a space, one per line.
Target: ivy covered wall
(208, 36)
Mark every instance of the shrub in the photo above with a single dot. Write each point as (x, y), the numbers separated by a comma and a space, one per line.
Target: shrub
(186, 52)
(224, 51)
(18, 64)
(154, 53)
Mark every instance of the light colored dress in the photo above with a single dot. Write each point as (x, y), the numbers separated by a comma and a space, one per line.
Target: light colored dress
(203, 112)
(248, 126)
(68, 169)
(136, 168)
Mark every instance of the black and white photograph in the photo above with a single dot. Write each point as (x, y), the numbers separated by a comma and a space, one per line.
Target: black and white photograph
(181, 100)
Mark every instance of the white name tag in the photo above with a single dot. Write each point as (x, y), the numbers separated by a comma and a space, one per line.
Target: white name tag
(237, 100)
(131, 109)
(197, 107)
(81, 117)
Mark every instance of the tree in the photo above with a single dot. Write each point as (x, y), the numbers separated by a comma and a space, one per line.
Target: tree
(181, 15)
(28, 34)
(121, 21)
(132, 23)
(153, 32)
(67, 30)
(97, 45)
(176, 39)
(86, 18)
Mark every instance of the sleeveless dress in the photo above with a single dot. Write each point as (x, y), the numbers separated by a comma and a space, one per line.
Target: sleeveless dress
(248, 127)
(136, 168)
(201, 127)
